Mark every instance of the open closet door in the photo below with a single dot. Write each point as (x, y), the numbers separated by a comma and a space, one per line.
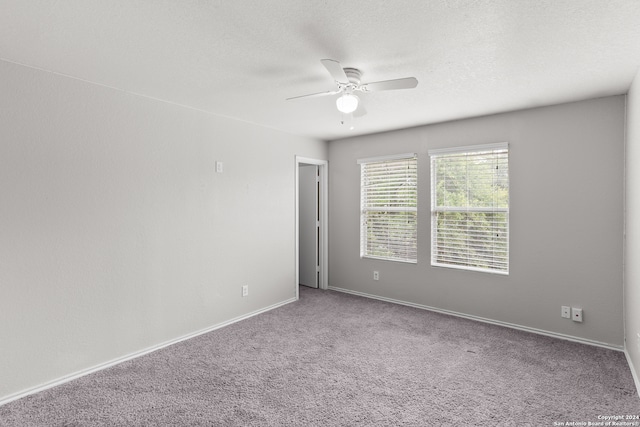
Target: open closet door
(308, 232)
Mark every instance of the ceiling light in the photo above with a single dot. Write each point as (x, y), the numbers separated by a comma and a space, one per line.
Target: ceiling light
(347, 103)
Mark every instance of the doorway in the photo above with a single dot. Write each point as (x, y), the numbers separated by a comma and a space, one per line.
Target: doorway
(311, 223)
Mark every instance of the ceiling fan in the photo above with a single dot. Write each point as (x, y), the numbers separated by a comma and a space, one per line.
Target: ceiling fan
(348, 82)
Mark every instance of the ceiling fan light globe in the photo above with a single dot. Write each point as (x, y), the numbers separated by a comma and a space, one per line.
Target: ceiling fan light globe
(347, 103)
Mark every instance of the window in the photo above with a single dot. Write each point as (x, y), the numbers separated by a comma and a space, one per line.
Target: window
(470, 208)
(388, 200)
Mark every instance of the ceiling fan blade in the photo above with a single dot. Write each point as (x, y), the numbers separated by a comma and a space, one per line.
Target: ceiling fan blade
(406, 83)
(314, 95)
(335, 69)
(360, 111)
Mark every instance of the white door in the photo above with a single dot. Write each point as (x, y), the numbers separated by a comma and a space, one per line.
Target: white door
(308, 223)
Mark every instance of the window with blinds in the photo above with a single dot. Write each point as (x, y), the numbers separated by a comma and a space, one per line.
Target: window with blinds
(389, 207)
(470, 208)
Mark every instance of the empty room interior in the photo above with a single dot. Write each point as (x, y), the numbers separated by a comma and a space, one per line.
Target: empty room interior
(334, 213)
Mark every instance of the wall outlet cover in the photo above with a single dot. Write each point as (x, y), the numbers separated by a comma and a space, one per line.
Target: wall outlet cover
(576, 314)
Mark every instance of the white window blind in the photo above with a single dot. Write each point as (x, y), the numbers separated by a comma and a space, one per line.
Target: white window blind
(388, 200)
(470, 208)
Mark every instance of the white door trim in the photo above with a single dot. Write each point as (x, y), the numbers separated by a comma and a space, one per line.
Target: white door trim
(323, 167)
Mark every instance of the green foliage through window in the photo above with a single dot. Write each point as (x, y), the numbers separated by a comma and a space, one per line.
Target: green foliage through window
(470, 208)
(389, 197)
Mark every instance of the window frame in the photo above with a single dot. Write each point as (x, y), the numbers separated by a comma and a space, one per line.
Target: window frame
(496, 150)
(366, 209)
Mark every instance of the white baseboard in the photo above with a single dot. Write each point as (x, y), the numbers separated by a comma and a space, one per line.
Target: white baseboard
(634, 373)
(78, 374)
(484, 320)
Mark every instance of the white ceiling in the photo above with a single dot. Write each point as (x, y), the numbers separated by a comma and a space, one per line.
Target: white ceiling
(242, 58)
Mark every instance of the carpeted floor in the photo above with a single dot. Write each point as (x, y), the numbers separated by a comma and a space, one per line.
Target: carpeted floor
(333, 359)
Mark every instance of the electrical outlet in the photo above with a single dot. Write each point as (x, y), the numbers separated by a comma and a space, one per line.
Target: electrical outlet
(376, 275)
(566, 312)
(576, 314)
(245, 291)
(219, 167)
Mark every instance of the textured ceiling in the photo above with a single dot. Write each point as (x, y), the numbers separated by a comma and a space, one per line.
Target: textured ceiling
(243, 58)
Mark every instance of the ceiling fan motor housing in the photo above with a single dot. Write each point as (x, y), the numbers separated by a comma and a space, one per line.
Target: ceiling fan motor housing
(354, 75)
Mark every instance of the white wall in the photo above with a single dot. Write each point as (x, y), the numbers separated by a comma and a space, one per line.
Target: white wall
(632, 229)
(116, 234)
(566, 220)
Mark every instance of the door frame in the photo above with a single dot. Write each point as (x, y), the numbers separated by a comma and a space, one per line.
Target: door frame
(323, 170)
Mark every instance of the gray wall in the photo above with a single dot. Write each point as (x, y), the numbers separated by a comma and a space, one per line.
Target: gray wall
(117, 235)
(566, 220)
(632, 216)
